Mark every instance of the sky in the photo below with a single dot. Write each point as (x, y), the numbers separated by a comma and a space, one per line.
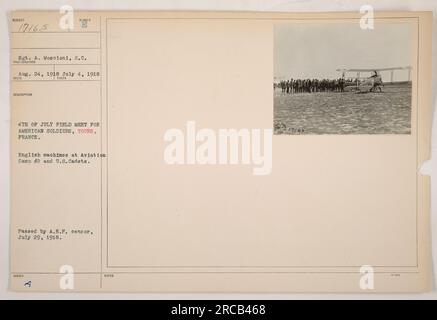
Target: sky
(317, 50)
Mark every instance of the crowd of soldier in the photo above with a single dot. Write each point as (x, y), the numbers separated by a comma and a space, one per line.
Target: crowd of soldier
(313, 85)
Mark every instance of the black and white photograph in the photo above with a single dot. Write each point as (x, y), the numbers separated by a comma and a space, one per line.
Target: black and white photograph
(218, 159)
(341, 79)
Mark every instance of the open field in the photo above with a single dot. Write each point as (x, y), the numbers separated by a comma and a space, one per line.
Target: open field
(388, 112)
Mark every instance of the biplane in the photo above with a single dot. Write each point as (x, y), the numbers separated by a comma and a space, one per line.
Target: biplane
(372, 82)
